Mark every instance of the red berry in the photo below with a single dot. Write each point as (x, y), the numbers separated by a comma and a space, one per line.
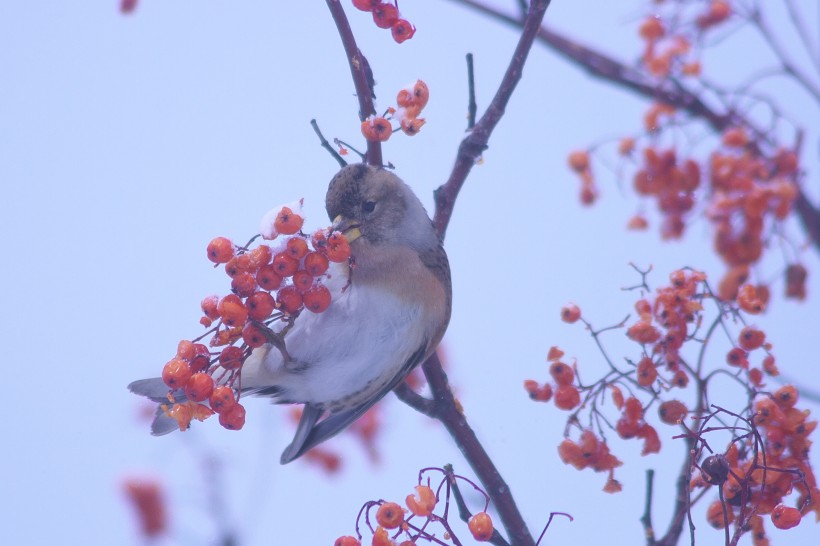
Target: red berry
(737, 357)
(481, 526)
(260, 256)
(202, 358)
(567, 397)
(751, 338)
(570, 313)
(288, 222)
(785, 517)
(260, 306)
(338, 248)
(561, 373)
(254, 335)
(199, 387)
(302, 280)
(376, 129)
(316, 263)
(220, 250)
(186, 350)
(647, 372)
(317, 298)
(243, 285)
(289, 299)
(390, 515)
(348, 540)
(672, 412)
(209, 304)
(385, 15)
(233, 418)
(319, 239)
(222, 399)
(296, 248)
(231, 357)
(176, 373)
(366, 5)
(232, 310)
(402, 30)
(423, 502)
(268, 278)
(284, 265)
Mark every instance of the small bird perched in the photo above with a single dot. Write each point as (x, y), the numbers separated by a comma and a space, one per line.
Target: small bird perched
(388, 312)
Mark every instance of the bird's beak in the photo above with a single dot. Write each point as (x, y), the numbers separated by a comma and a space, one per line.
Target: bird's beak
(350, 228)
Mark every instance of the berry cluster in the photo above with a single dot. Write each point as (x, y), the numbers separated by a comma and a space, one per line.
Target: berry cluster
(268, 286)
(412, 522)
(762, 468)
(386, 15)
(410, 102)
(772, 438)
(743, 180)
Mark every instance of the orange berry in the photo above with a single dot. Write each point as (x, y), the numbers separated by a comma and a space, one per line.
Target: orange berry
(647, 372)
(222, 398)
(626, 145)
(348, 540)
(570, 313)
(737, 357)
(267, 277)
(481, 526)
(423, 502)
(617, 397)
(231, 358)
(289, 299)
(232, 311)
(176, 373)
(260, 256)
(412, 126)
(260, 305)
(567, 397)
(680, 379)
(254, 335)
(182, 414)
(735, 137)
(786, 396)
(199, 387)
(288, 222)
(296, 248)
(381, 538)
(316, 263)
(651, 29)
(317, 298)
(643, 332)
(785, 517)
(284, 265)
(220, 250)
(651, 440)
(672, 412)
(233, 418)
(364, 5)
(302, 280)
(208, 305)
(637, 223)
(186, 350)
(751, 338)
(769, 366)
(402, 30)
(376, 129)
(579, 161)
(338, 247)
(202, 358)
(243, 285)
(385, 15)
(562, 373)
(715, 517)
(633, 409)
(749, 301)
(390, 515)
(554, 354)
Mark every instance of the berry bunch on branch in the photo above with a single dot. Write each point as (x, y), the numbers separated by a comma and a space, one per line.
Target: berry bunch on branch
(767, 459)
(270, 287)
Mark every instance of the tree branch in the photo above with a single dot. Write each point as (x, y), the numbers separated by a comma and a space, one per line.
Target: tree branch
(476, 142)
(362, 76)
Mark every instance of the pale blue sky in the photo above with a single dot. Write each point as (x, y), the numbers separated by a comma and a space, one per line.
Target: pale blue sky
(127, 143)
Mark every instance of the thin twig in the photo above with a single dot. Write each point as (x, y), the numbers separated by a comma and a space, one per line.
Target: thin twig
(472, 107)
(326, 145)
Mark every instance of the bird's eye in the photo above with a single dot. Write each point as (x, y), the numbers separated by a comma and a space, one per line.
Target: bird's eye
(369, 206)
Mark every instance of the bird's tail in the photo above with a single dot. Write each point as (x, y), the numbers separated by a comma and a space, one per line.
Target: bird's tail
(156, 390)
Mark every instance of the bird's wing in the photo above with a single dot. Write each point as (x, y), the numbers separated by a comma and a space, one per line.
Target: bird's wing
(313, 435)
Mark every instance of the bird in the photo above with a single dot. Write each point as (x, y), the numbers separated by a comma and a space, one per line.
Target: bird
(390, 307)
